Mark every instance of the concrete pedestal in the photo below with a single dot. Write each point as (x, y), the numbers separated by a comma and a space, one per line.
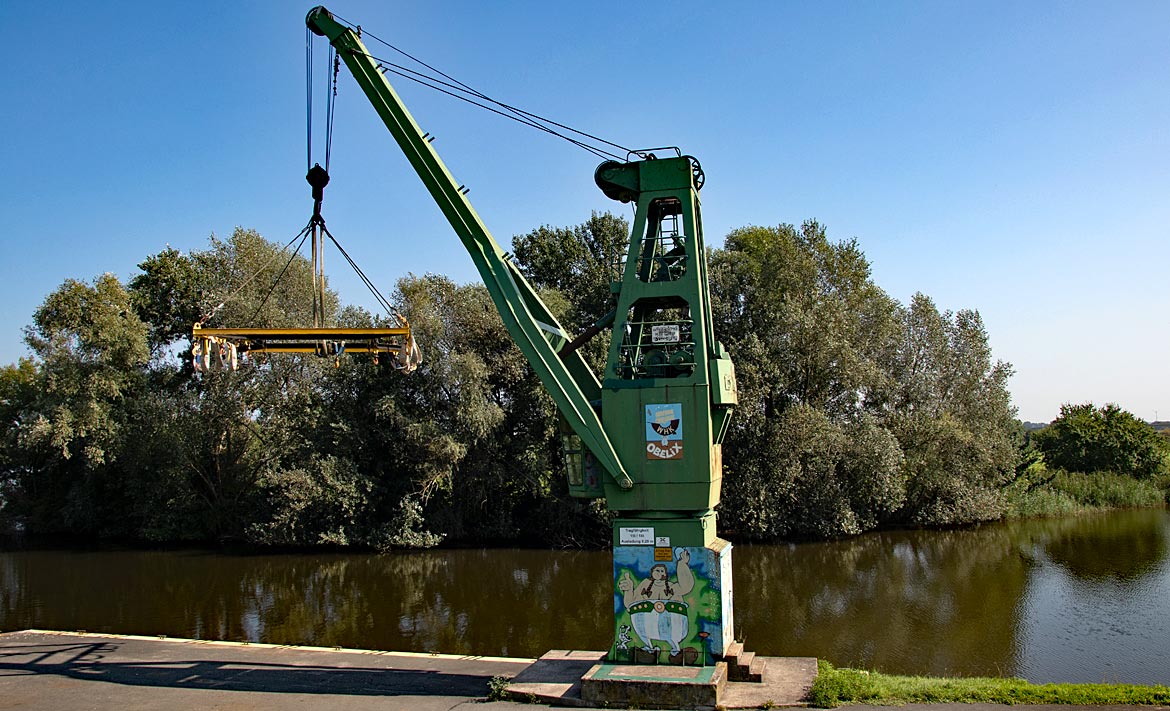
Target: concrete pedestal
(672, 592)
(653, 687)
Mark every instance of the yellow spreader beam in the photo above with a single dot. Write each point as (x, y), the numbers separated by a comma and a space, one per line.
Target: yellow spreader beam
(221, 347)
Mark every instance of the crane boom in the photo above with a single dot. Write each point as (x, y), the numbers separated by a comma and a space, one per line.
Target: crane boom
(570, 381)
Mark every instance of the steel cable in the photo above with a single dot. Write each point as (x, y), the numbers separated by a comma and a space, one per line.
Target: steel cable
(520, 115)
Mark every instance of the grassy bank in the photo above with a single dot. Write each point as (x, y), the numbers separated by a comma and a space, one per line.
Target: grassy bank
(1058, 493)
(835, 687)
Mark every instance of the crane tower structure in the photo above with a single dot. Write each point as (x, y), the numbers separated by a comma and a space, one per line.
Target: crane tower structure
(647, 434)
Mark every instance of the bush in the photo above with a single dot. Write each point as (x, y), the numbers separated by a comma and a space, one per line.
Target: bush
(813, 477)
(1085, 438)
(953, 475)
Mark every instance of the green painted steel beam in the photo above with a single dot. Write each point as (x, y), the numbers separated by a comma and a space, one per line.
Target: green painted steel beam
(536, 331)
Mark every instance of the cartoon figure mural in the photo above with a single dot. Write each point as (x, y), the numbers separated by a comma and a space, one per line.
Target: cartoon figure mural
(672, 614)
(656, 607)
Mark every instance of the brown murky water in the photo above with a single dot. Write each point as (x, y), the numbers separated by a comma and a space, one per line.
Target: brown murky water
(1079, 599)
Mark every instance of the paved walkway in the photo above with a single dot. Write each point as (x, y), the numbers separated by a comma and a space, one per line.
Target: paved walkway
(63, 671)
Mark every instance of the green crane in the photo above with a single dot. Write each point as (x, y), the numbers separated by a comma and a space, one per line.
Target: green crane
(647, 435)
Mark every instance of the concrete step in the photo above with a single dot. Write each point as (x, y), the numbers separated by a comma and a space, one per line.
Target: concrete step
(757, 669)
(748, 667)
(731, 654)
(742, 667)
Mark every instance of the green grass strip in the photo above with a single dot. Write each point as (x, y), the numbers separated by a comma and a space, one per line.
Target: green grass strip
(836, 687)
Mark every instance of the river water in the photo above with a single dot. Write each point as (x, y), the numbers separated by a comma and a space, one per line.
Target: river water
(1073, 599)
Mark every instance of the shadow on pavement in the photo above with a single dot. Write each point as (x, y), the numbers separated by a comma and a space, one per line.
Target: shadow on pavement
(92, 662)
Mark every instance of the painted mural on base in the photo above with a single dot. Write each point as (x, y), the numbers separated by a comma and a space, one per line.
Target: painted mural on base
(669, 604)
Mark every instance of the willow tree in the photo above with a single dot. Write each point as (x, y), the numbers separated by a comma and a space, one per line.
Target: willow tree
(89, 349)
(855, 411)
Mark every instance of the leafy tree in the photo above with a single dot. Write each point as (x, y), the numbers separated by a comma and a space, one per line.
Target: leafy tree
(241, 281)
(952, 416)
(218, 444)
(483, 397)
(949, 478)
(246, 280)
(90, 350)
(18, 394)
(578, 263)
(811, 477)
(109, 440)
(808, 330)
(192, 465)
(854, 410)
(167, 296)
(821, 323)
(319, 502)
(1085, 438)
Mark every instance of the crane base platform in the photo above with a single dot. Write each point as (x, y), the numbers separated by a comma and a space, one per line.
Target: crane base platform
(585, 679)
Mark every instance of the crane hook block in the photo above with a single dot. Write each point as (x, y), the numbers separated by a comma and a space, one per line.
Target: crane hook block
(318, 178)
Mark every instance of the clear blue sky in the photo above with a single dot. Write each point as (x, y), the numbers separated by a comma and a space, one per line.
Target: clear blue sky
(1008, 157)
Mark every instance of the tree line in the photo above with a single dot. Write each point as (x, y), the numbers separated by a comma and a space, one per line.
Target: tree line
(856, 411)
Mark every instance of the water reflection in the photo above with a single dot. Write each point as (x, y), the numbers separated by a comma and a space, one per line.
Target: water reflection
(896, 601)
(496, 602)
(1097, 606)
(1102, 547)
(1081, 599)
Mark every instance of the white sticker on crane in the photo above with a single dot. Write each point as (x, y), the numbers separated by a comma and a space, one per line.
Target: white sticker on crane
(636, 536)
(665, 334)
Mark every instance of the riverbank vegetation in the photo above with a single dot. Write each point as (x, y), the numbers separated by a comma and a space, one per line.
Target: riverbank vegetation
(856, 412)
(1091, 458)
(1067, 493)
(836, 687)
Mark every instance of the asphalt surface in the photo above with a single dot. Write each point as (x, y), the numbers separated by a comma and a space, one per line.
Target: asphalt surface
(40, 670)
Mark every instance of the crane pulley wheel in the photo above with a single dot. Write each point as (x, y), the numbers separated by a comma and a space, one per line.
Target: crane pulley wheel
(698, 177)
